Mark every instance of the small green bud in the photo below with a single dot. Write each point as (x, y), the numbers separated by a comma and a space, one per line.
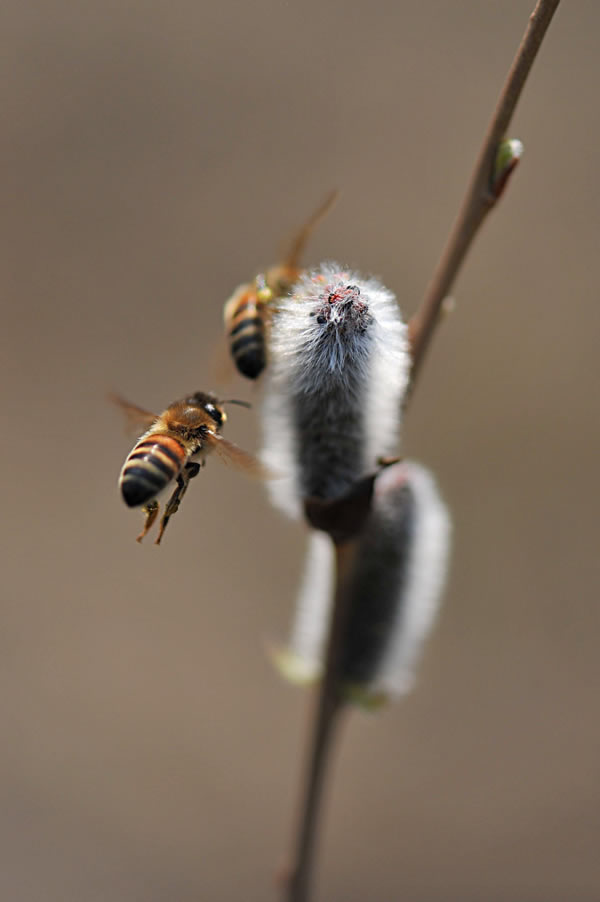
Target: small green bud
(508, 155)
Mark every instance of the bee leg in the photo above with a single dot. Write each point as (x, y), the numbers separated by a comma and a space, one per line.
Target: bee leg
(174, 501)
(151, 510)
(172, 506)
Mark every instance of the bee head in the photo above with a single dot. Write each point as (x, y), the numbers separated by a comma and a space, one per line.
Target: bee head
(216, 412)
(210, 404)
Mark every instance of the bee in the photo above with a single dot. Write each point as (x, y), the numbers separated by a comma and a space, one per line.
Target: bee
(173, 449)
(248, 311)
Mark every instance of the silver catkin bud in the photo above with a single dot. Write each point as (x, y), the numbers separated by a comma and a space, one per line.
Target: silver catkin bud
(396, 588)
(339, 367)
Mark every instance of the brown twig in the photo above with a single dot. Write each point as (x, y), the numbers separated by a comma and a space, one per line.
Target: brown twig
(329, 708)
(479, 198)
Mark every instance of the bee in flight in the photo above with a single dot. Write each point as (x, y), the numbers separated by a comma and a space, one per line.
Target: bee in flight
(174, 448)
(248, 310)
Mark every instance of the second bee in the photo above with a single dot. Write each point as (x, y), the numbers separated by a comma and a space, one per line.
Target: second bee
(248, 311)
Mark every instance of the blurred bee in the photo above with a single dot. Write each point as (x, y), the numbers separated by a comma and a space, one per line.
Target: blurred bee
(249, 309)
(174, 448)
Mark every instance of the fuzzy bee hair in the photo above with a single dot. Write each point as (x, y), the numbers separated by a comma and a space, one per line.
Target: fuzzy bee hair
(396, 588)
(338, 373)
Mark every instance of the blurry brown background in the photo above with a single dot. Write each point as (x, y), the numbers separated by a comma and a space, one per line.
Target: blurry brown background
(155, 155)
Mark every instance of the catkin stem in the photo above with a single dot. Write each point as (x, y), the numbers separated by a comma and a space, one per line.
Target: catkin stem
(329, 709)
(299, 881)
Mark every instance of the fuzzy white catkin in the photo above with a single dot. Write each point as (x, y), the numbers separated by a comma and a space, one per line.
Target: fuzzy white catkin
(403, 553)
(338, 371)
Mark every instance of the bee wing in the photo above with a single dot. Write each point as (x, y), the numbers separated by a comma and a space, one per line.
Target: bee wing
(298, 243)
(137, 418)
(237, 457)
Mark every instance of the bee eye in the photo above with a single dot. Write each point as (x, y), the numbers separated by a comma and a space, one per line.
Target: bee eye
(215, 413)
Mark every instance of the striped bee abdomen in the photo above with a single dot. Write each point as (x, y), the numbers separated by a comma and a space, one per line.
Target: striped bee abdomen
(244, 314)
(153, 463)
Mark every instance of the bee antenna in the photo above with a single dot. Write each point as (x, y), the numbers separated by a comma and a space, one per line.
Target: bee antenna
(235, 401)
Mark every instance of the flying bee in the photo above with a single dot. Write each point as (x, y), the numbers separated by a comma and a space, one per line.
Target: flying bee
(174, 448)
(248, 311)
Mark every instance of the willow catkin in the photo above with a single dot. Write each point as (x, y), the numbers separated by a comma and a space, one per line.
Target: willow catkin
(337, 378)
(338, 371)
(394, 595)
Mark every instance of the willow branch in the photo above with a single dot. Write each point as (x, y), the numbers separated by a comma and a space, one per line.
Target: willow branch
(480, 198)
(482, 194)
